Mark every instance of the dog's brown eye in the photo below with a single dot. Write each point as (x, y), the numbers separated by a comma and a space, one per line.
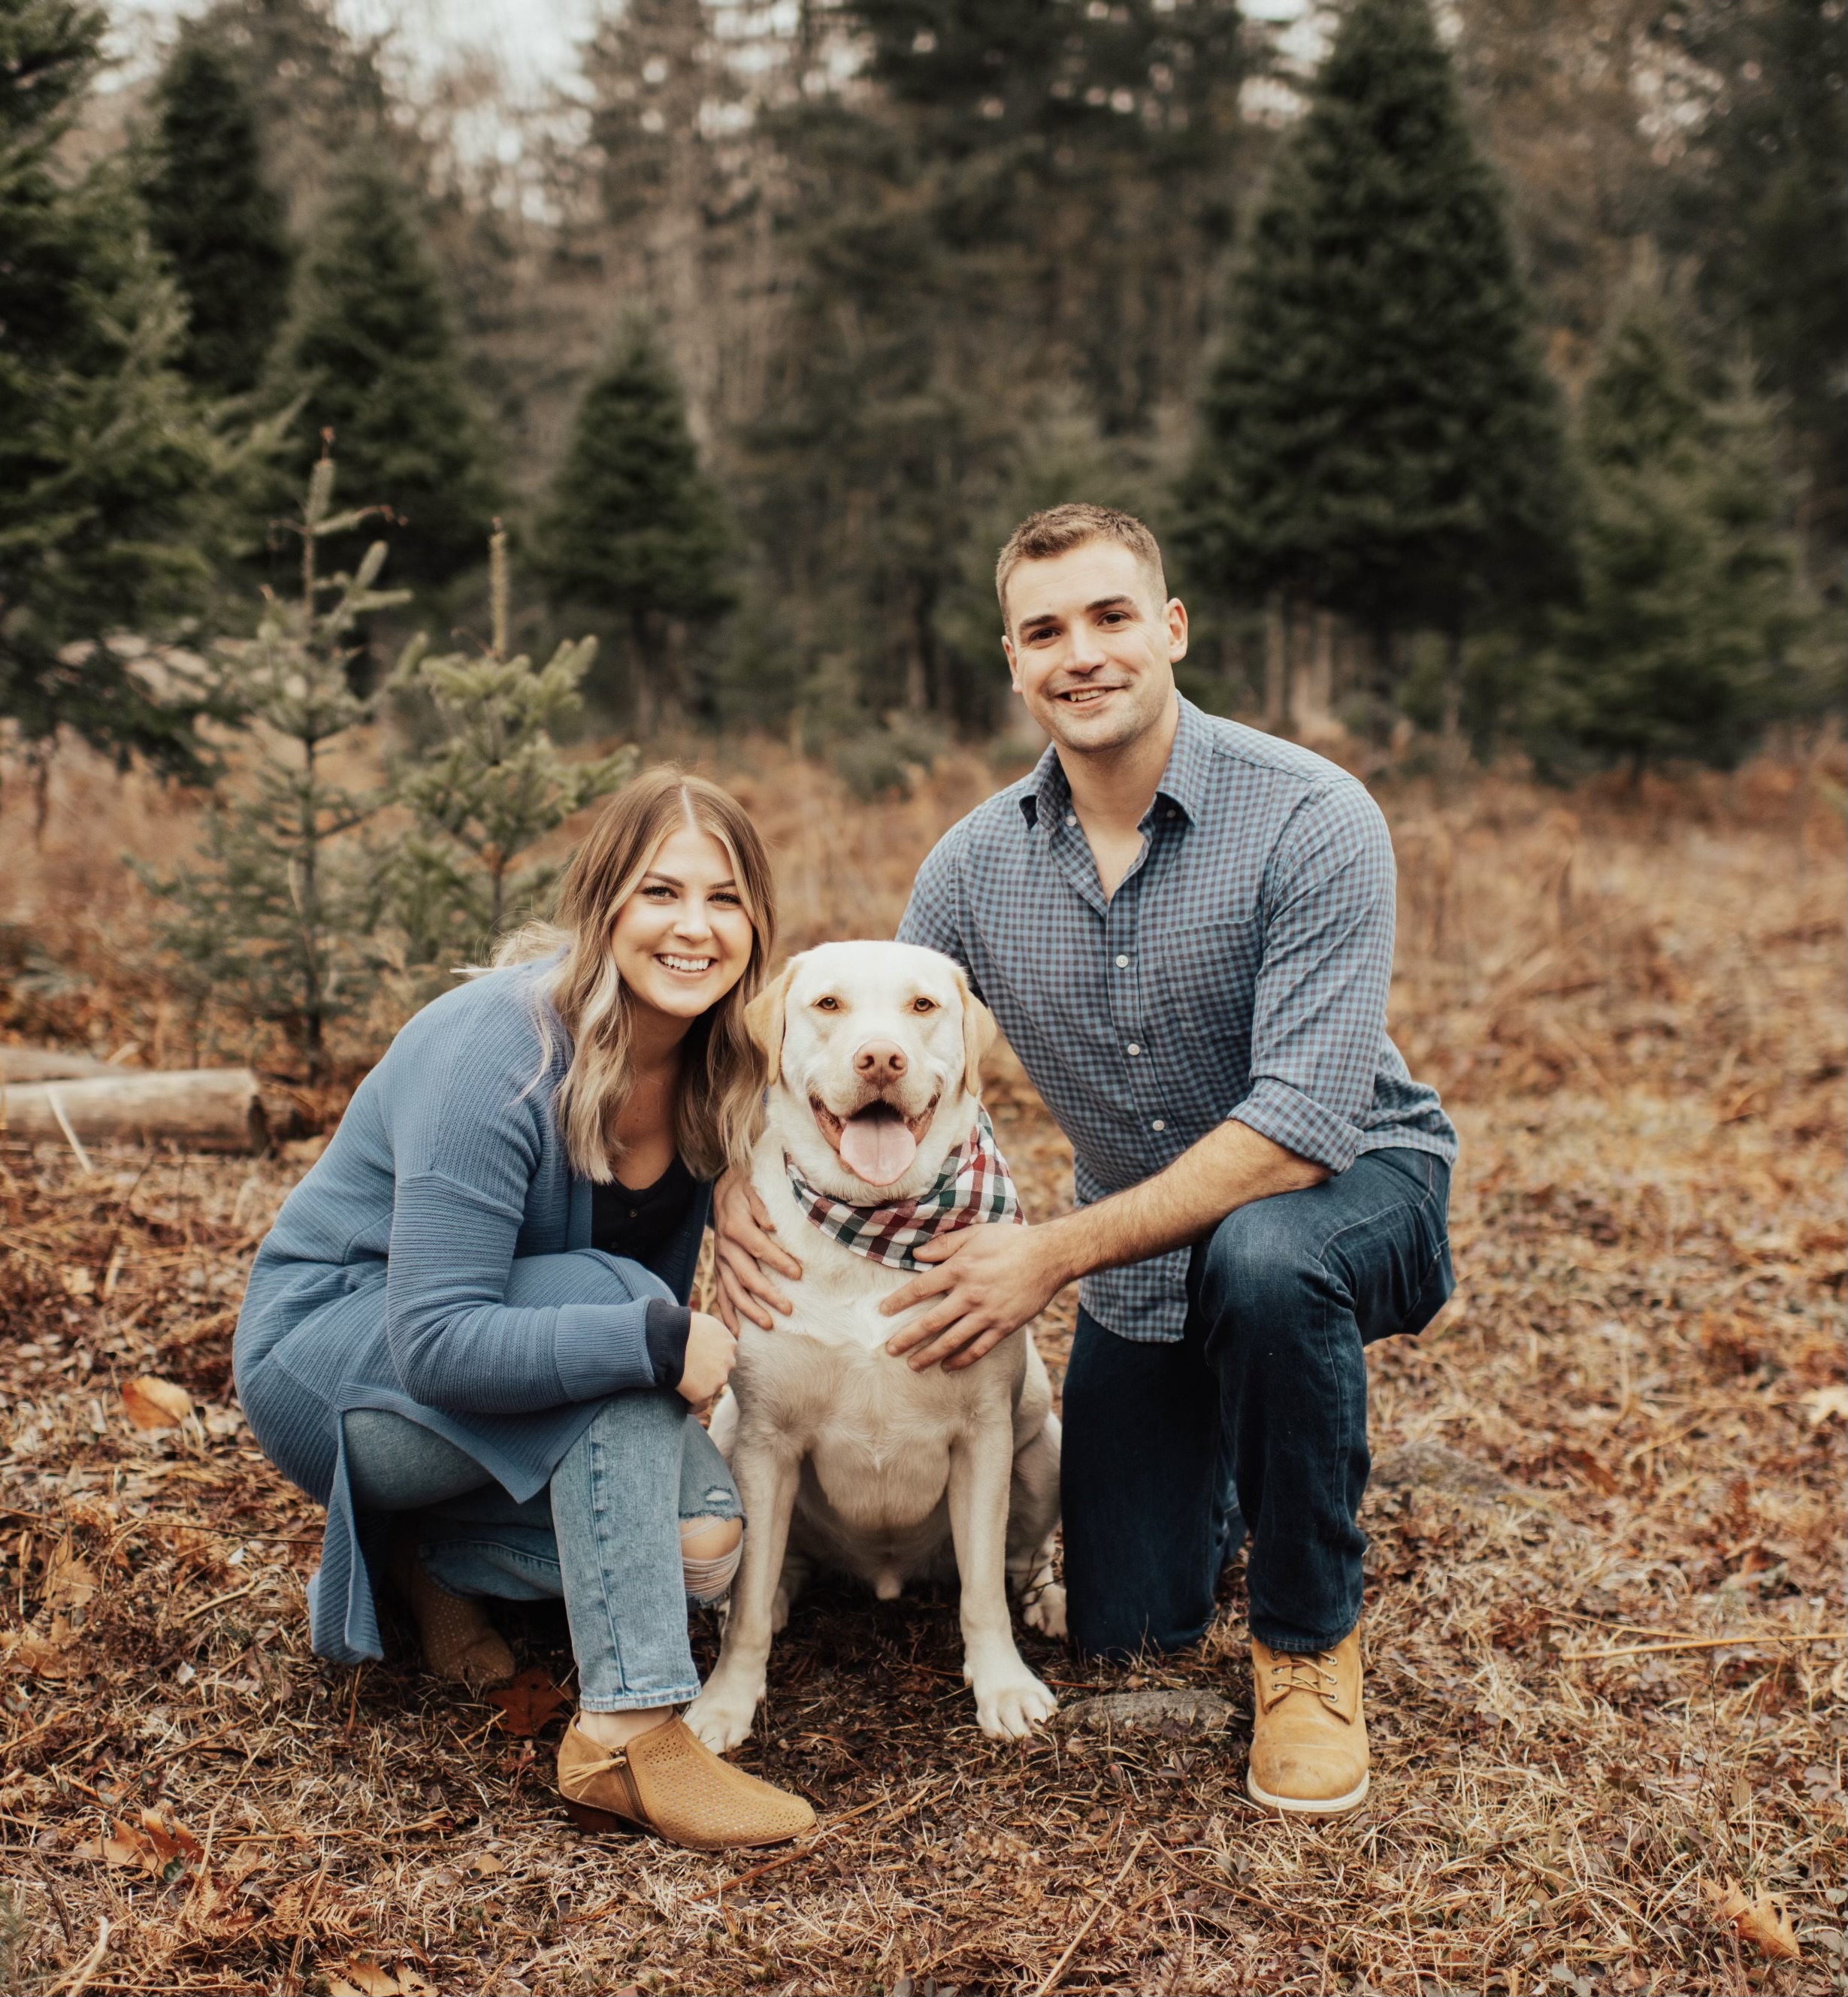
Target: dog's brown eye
(827, 1005)
(923, 1005)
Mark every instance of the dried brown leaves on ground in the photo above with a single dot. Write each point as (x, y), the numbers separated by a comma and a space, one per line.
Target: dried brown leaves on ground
(1605, 1605)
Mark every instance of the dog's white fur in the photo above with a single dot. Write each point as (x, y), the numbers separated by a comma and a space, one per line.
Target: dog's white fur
(844, 1455)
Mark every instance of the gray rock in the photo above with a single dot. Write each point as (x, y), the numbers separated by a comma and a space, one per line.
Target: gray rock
(1429, 1466)
(1171, 1716)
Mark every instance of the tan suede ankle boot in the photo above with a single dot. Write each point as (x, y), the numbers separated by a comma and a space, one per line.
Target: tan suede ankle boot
(460, 1643)
(668, 1782)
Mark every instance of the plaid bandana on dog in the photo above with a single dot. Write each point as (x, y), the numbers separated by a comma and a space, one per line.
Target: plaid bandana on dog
(974, 1185)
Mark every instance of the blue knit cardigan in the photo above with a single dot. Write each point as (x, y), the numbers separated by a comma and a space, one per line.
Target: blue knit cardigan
(436, 1261)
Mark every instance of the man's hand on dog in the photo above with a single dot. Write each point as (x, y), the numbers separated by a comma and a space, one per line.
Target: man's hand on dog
(747, 1253)
(991, 1281)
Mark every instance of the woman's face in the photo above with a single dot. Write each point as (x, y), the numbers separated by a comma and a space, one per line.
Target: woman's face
(683, 939)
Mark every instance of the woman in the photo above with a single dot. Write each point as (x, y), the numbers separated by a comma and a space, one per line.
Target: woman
(467, 1333)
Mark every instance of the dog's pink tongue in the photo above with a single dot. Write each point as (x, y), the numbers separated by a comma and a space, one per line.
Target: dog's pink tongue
(879, 1149)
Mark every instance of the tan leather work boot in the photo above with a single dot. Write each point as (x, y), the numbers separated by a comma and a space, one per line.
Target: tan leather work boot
(1308, 1743)
(668, 1782)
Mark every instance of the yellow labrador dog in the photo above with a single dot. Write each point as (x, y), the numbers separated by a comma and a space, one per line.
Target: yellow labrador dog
(875, 1139)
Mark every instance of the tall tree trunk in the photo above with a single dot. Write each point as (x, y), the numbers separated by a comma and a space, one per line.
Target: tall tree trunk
(641, 676)
(306, 889)
(1277, 663)
(1313, 691)
(917, 650)
(1453, 685)
(1385, 682)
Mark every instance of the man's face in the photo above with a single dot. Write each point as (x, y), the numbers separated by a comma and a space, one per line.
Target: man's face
(1091, 646)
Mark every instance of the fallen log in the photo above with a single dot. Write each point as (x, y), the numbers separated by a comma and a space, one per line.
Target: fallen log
(48, 1064)
(196, 1109)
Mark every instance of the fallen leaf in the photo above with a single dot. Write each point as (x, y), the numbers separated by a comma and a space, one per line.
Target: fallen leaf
(361, 1977)
(170, 1839)
(160, 1845)
(124, 1845)
(1760, 1920)
(528, 1702)
(366, 1976)
(76, 1281)
(484, 1865)
(1823, 1401)
(44, 1656)
(68, 1583)
(1594, 1473)
(156, 1404)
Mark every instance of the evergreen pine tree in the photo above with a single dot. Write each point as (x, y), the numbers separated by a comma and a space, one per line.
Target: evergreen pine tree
(213, 217)
(1012, 215)
(1763, 203)
(369, 353)
(1379, 437)
(270, 924)
(108, 470)
(1693, 633)
(635, 528)
(489, 786)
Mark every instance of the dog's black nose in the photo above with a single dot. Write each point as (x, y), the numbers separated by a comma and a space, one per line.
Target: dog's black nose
(880, 1061)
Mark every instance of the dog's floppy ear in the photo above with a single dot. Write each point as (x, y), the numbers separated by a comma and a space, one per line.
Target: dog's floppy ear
(979, 1030)
(764, 1018)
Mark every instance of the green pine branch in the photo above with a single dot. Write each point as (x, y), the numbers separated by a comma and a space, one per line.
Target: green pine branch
(272, 921)
(492, 785)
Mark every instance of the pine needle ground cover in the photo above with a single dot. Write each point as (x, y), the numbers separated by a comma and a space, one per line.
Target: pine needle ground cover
(1605, 1605)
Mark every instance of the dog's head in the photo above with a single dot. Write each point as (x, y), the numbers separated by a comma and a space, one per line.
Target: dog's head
(874, 1051)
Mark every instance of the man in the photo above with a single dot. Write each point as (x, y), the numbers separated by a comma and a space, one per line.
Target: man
(1185, 928)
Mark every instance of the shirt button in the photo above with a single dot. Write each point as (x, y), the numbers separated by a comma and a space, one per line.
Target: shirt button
(1158, 1125)
(1134, 1048)
(1071, 817)
(1123, 964)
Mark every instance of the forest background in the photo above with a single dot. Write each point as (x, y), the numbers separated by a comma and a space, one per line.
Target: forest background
(1485, 380)
(1481, 372)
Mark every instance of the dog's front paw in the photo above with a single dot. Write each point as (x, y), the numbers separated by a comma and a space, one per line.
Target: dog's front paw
(1045, 1610)
(1010, 1707)
(722, 1717)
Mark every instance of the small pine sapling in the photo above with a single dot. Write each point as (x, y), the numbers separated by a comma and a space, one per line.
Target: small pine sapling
(490, 787)
(271, 923)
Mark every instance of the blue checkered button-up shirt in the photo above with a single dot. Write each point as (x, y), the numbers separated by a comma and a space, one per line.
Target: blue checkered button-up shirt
(1239, 971)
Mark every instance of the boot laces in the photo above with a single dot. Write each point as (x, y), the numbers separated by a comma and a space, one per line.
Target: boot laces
(1312, 1671)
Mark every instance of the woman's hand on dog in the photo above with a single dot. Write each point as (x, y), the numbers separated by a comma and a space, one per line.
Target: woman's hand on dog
(742, 1231)
(987, 1282)
(712, 1353)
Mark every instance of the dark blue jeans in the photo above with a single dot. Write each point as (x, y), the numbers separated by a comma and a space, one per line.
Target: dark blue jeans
(1254, 1420)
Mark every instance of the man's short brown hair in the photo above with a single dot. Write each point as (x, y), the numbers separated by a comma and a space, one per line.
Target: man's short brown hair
(1058, 530)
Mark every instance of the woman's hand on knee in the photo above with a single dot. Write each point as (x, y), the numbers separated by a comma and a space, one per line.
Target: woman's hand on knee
(712, 1353)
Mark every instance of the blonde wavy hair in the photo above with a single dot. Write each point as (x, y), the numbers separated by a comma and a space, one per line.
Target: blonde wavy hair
(721, 1068)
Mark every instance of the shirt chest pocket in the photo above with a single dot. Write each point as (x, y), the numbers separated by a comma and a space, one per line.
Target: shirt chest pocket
(1198, 984)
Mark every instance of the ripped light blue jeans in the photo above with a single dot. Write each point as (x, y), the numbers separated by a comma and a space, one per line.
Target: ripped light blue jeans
(605, 1533)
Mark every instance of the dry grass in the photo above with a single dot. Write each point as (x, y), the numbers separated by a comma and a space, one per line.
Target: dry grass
(1627, 1431)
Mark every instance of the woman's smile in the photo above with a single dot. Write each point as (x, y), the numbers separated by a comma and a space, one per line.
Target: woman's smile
(682, 938)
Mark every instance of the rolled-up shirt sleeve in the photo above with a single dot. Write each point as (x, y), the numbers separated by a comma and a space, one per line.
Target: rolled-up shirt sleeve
(1319, 1015)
